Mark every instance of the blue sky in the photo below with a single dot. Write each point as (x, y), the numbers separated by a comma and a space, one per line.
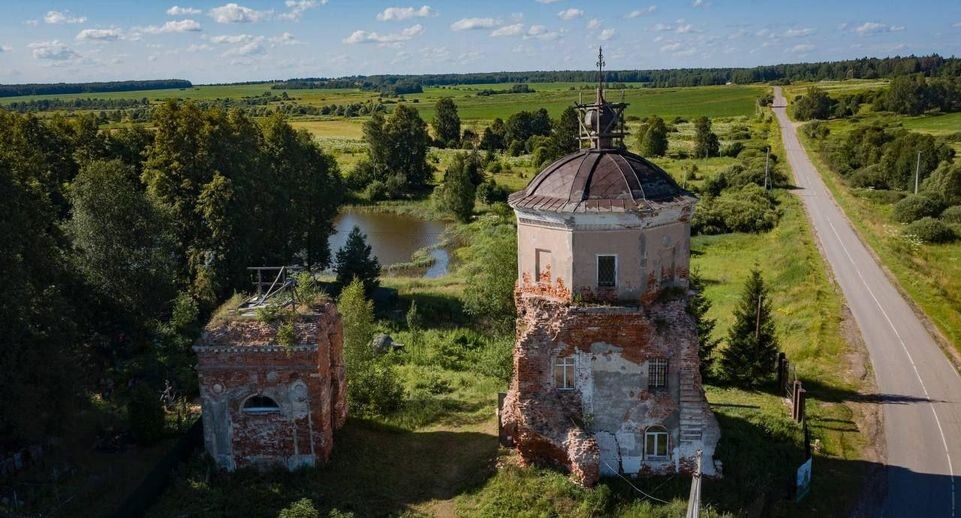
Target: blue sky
(223, 41)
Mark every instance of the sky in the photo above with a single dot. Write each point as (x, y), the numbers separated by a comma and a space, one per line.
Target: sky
(246, 40)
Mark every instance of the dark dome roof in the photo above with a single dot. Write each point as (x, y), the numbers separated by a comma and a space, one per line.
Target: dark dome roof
(600, 180)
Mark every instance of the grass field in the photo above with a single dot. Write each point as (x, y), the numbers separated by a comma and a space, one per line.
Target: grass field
(944, 124)
(713, 101)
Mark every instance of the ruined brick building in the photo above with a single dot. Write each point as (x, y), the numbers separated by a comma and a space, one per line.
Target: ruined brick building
(267, 404)
(606, 371)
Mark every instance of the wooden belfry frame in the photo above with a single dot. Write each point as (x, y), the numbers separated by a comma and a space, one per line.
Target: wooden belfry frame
(613, 130)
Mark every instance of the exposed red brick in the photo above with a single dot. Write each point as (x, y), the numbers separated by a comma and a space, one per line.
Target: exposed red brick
(240, 358)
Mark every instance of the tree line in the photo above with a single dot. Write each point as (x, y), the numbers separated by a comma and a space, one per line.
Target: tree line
(862, 68)
(118, 244)
(81, 88)
(911, 94)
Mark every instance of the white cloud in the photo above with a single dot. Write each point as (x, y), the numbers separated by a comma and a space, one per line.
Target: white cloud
(298, 8)
(5, 48)
(956, 24)
(801, 48)
(796, 33)
(547, 1)
(541, 33)
(683, 28)
(233, 13)
(404, 13)
(698, 3)
(182, 11)
(52, 50)
(248, 49)
(197, 48)
(58, 17)
(468, 24)
(671, 47)
(570, 14)
(99, 35)
(515, 29)
(285, 39)
(186, 25)
(232, 39)
(606, 34)
(661, 27)
(642, 12)
(875, 27)
(594, 24)
(384, 39)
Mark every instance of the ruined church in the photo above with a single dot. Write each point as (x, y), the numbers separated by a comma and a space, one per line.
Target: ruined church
(606, 371)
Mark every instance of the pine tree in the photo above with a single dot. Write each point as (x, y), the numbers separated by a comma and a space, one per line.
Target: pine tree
(698, 307)
(751, 353)
(355, 260)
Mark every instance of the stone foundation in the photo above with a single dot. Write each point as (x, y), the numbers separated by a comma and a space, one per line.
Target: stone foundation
(599, 426)
(300, 390)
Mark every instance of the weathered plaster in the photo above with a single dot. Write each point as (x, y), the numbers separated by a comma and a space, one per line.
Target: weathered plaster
(240, 358)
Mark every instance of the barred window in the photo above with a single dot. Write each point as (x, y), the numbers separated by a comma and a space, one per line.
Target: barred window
(655, 443)
(606, 271)
(564, 373)
(657, 373)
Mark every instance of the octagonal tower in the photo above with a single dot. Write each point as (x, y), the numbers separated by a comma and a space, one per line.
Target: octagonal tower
(606, 370)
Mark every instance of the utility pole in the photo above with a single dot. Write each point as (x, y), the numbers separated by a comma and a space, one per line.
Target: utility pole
(917, 173)
(767, 171)
(694, 501)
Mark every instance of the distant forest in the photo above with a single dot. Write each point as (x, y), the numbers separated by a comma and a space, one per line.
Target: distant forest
(863, 68)
(83, 88)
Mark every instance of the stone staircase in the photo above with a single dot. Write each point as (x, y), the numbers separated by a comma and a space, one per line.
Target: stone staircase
(691, 409)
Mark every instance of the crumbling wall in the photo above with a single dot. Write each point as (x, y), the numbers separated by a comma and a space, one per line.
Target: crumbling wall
(240, 358)
(599, 427)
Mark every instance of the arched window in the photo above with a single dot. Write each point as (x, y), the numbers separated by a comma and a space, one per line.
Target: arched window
(260, 405)
(656, 443)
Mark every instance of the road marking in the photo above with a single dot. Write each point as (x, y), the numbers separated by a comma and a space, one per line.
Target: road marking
(798, 149)
(904, 347)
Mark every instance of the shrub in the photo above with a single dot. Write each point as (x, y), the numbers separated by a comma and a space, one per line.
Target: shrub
(415, 320)
(489, 193)
(749, 209)
(303, 508)
(374, 389)
(145, 415)
(376, 191)
(915, 207)
(931, 230)
(732, 150)
(816, 130)
(516, 148)
(952, 214)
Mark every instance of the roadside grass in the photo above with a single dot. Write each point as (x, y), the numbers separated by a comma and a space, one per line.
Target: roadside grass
(930, 274)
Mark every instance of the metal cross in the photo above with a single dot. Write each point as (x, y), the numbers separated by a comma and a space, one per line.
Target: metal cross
(600, 65)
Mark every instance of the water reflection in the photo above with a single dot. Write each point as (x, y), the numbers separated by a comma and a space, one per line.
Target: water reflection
(393, 237)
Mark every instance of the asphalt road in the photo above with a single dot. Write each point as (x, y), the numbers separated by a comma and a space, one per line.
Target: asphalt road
(919, 389)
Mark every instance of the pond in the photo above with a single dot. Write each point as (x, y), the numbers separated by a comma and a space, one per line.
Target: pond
(393, 238)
